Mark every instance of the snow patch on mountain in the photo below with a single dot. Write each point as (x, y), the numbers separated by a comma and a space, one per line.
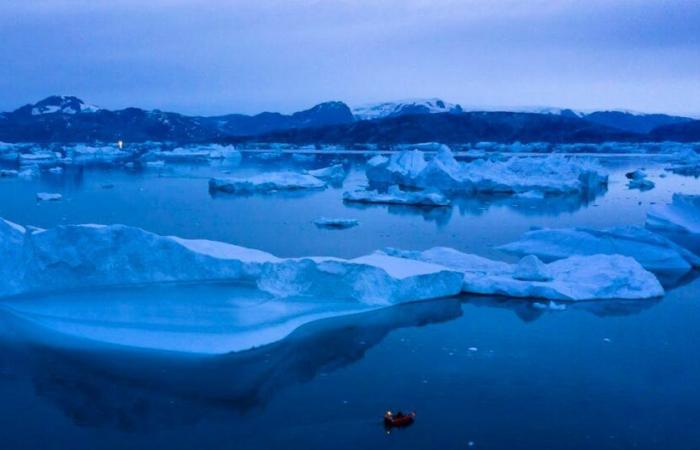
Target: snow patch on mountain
(413, 106)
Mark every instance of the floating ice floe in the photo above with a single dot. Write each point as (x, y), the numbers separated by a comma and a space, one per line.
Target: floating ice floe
(334, 174)
(82, 153)
(48, 196)
(8, 173)
(266, 182)
(155, 164)
(193, 153)
(576, 278)
(58, 170)
(395, 196)
(638, 180)
(554, 174)
(681, 216)
(687, 162)
(335, 223)
(90, 256)
(654, 252)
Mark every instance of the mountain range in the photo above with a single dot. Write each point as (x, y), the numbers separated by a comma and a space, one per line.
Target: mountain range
(69, 119)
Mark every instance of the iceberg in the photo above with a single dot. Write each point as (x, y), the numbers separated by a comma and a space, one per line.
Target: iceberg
(681, 216)
(653, 251)
(335, 224)
(395, 196)
(333, 174)
(638, 180)
(266, 182)
(554, 174)
(48, 196)
(89, 256)
(576, 278)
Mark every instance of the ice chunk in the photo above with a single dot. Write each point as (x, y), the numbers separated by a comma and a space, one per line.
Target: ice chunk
(681, 216)
(89, 256)
(530, 268)
(638, 180)
(554, 174)
(266, 182)
(335, 223)
(48, 196)
(577, 278)
(334, 174)
(155, 164)
(6, 173)
(654, 252)
(396, 196)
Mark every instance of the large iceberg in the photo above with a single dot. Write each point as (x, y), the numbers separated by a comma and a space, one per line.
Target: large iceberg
(654, 252)
(681, 216)
(395, 196)
(266, 182)
(88, 256)
(554, 174)
(576, 278)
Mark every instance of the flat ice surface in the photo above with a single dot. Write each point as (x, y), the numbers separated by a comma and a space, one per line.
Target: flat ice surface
(90, 256)
(681, 216)
(202, 319)
(266, 182)
(576, 278)
(653, 251)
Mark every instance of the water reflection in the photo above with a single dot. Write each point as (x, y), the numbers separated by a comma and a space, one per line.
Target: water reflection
(145, 390)
(528, 312)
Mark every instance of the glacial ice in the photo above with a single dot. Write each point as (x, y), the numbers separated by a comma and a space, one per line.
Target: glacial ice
(653, 251)
(554, 174)
(266, 182)
(681, 216)
(333, 174)
(638, 180)
(48, 196)
(576, 278)
(193, 153)
(335, 223)
(88, 256)
(395, 196)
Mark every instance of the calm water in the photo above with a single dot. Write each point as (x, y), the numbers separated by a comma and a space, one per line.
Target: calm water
(481, 372)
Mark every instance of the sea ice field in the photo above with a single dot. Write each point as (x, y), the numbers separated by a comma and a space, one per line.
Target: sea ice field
(193, 298)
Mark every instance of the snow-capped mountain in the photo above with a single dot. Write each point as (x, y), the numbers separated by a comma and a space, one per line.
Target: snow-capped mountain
(60, 104)
(400, 108)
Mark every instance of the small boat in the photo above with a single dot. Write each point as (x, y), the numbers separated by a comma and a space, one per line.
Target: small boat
(398, 419)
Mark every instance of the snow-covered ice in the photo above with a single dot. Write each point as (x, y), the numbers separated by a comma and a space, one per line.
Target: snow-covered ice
(576, 278)
(554, 174)
(653, 251)
(395, 196)
(334, 174)
(48, 196)
(335, 223)
(681, 216)
(89, 256)
(266, 182)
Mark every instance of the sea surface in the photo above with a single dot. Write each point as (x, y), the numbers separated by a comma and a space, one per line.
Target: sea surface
(480, 372)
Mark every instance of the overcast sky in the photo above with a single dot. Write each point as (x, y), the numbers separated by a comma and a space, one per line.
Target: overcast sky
(217, 56)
